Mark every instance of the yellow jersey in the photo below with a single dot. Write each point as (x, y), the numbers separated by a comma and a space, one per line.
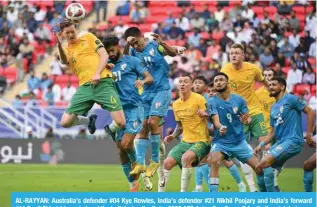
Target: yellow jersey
(83, 58)
(242, 83)
(266, 102)
(195, 128)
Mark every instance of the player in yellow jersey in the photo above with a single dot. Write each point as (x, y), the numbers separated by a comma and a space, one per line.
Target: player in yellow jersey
(242, 76)
(86, 57)
(266, 102)
(194, 145)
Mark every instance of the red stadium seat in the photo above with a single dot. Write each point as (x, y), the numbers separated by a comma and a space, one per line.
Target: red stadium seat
(46, 3)
(312, 61)
(1, 71)
(217, 35)
(181, 42)
(300, 88)
(227, 8)
(286, 69)
(162, 4)
(258, 10)
(145, 27)
(313, 89)
(62, 80)
(309, 9)
(271, 9)
(42, 103)
(155, 19)
(299, 9)
(301, 17)
(302, 25)
(11, 74)
(234, 3)
(287, 62)
(39, 95)
(74, 79)
(61, 103)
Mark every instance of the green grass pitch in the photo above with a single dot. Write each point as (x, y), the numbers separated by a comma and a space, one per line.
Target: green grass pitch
(105, 178)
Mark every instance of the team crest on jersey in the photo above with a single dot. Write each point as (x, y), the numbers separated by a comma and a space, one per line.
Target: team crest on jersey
(157, 105)
(281, 109)
(235, 110)
(279, 148)
(123, 66)
(152, 52)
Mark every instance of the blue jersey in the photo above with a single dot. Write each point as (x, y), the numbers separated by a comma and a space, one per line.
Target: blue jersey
(229, 116)
(126, 71)
(286, 118)
(154, 61)
(206, 96)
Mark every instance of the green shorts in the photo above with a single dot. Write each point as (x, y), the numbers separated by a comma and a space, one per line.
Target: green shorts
(104, 93)
(256, 128)
(201, 149)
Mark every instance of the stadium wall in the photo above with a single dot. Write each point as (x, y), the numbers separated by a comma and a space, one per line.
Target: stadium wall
(82, 152)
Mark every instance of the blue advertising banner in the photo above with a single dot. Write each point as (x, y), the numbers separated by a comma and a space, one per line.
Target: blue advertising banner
(163, 199)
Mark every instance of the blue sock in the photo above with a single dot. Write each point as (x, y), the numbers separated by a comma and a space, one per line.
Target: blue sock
(155, 143)
(269, 179)
(198, 175)
(127, 169)
(141, 149)
(213, 184)
(261, 183)
(132, 155)
(205, 171)
(235, 173)
(308, 180)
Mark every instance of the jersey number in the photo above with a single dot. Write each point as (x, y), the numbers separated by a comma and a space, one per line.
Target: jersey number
(229, 117)
(148, 60)
(117, 76)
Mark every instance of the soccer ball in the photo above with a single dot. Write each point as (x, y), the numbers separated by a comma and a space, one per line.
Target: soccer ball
(75, 13)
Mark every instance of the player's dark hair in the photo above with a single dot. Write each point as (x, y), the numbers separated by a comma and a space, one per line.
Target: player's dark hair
(218, 74)
(270, 69)
(186, 75)
(280, 80)
(132, 32)
(110, 41)
(235, 46)
(211, 84)
(202, 78)
(65, 23)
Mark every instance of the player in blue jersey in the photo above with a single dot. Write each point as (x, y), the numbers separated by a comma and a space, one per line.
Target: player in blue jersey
(202, 170)
(228, 113)
(156, 97)
(286, 127)
(127, 71)
(310, 166)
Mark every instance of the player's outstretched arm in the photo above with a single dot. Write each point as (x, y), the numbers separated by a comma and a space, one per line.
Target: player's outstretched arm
(147, 80)
(310, 122)
(267, 139)
(126, 49)
(62, 54)
(178, 130)
(216, 122)
(169, 50)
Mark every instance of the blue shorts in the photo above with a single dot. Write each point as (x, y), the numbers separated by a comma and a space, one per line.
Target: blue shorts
(283, 151)
(156, 104)
(134, 120)
(242, 151)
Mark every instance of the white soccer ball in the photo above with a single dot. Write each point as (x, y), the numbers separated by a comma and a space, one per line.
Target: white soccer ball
(75, 13)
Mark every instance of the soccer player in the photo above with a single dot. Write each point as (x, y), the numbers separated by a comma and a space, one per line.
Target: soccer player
(309, 167)
(202, 171)
(156, 97)
(286, 127)
(266, 102)
(87, 59)
(127, 72)
(242, 76)
(194, 145)
(228, 113)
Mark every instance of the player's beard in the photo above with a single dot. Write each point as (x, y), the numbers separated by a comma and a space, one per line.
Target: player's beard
(274, 94)
(222, 89)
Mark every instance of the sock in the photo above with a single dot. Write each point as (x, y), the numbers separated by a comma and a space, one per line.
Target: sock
(248, 173)
(276, 174)
(155, 143)
(269, 179)
(198, 176)
(261, 183)
(141, 149)
(308, 180)
(199, 188)
(127, 169)
(162, 186)
(206, 172)
(235, 173)
(131, 154)
(81, 120)
(213, 184)
(162, 154)
(113, 127)
(186, 175)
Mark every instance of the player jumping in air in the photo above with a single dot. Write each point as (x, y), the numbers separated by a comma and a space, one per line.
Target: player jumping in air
(266, 102)
(156, 97)
(242, 76)
(127, 72)
(286, 127)
(87, 59)
(194, 145)
(202, 171)
(228, 113)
